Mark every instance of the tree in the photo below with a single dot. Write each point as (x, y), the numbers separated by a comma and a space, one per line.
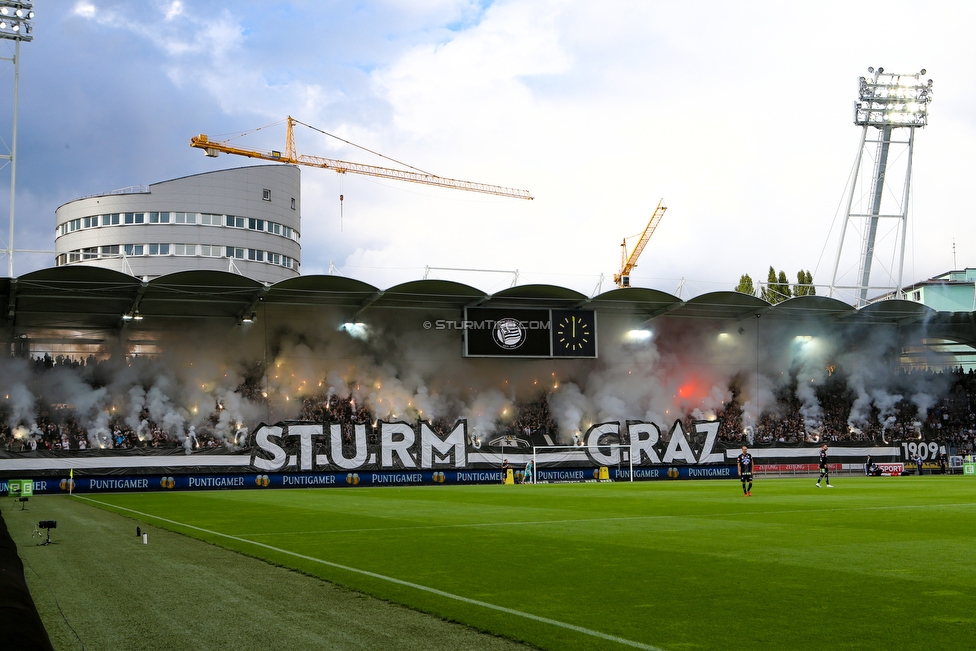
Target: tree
(768, 291)
(804, 284)
(777, 287)
(745, 285)
(783, 286)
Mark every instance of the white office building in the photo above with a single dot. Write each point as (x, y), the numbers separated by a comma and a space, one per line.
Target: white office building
(245, 220)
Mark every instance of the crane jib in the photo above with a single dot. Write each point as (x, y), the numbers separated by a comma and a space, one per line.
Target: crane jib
(212, 149)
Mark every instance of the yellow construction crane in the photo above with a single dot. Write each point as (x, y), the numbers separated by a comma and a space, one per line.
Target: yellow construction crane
(628, 262)
(213, 148)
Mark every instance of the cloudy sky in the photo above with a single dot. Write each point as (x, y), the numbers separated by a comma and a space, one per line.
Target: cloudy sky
(738, 114)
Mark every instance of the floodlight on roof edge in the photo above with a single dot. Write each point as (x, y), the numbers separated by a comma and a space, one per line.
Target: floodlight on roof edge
(886, 102)
(16, 26)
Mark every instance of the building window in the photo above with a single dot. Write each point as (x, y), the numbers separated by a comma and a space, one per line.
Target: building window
(185, 249)
(134, 249)
(233, 252)
(293, 203)
(164, 218)
(74, 256)
(211, 250)
(917, 296)
(189, 218)
(154, 218)
(110, 250)
(255, 224)
(266, 194)
(115, 219)
(89, 253)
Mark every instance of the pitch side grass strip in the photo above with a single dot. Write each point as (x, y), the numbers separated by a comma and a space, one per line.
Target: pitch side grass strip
(382, 577)
(523, 523)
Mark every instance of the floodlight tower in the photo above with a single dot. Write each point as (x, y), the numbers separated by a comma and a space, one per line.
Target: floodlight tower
(890, 104)
(16, 26)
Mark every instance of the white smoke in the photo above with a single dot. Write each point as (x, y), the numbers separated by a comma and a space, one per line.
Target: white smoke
(399, 371)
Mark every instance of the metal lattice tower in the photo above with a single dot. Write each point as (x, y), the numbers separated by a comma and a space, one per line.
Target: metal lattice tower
(889, 107)
(15, 25)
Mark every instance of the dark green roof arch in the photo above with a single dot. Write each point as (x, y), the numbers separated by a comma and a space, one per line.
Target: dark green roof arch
(319, 290)
(811, 307)
(721, 305)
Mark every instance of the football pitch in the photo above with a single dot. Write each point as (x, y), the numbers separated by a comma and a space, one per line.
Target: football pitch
(872, 563)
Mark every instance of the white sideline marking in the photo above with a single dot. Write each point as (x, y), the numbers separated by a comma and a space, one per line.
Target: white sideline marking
(416, 586)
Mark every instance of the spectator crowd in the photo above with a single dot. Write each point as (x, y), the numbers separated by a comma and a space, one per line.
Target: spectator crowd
(951, 418)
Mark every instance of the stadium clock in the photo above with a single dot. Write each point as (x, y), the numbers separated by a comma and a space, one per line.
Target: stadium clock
(573, 333)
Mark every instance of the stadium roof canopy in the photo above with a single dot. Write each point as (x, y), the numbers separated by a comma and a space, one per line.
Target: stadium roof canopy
(79, 299)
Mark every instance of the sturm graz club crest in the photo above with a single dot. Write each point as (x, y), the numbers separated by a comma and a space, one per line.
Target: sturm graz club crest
(509, 333)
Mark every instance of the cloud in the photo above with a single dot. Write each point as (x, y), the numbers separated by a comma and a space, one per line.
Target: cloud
(738, 115)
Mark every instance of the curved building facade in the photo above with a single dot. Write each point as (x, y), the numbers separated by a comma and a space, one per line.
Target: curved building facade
(245, 220)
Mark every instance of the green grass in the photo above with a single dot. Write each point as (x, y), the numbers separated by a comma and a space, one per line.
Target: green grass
(181, 593)
(873, 563)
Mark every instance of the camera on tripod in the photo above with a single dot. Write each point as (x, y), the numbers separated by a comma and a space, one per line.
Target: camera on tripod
(46, 524)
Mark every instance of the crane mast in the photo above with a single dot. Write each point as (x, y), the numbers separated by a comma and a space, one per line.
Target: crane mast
(628, 262)
(213, 148)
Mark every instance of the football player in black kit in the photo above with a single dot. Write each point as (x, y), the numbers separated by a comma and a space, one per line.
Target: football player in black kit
(745, 471)
(824, 473)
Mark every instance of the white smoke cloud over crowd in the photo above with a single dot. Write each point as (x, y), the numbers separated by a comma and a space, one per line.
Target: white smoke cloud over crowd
(225, 382)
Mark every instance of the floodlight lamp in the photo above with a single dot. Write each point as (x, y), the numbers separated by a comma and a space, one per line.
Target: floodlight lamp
(16, 27)
(922, 71)
(20, 13)
(639, 335)
(870, 70)
(4, 11)
(358, 330)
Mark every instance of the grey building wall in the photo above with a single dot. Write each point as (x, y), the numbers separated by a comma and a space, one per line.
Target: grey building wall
(246, 220)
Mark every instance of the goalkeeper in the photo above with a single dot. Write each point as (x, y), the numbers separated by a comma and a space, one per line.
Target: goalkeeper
(824, 467)
(527, 474)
